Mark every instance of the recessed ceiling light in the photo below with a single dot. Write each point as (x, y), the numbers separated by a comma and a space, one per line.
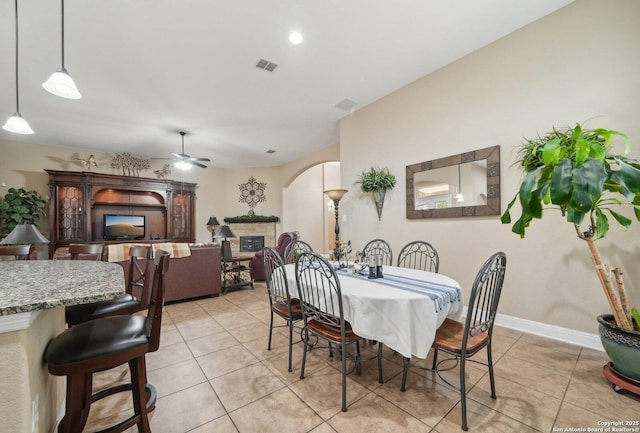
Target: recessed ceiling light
(295, 38)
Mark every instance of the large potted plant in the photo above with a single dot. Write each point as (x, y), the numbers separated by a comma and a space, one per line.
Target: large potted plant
(376, 181)
(575, 170)
(20, 206)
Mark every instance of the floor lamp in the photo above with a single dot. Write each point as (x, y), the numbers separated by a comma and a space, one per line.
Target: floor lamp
(336, 195)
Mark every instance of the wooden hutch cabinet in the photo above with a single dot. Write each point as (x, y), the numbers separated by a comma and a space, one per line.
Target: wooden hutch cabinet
(79, 201)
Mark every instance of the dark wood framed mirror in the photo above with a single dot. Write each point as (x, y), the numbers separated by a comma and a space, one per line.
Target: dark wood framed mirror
(463, 185)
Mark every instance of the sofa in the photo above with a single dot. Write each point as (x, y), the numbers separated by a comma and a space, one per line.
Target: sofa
(256, 265)
(189, 277)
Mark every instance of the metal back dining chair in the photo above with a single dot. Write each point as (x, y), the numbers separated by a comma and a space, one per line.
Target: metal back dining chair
(321, 297)
(106, 343)
(86, 251)
(294, 249)
(139, 279)
(378, 247)
(18, 252)
(279, 299)
(419, 255)
(462, 341)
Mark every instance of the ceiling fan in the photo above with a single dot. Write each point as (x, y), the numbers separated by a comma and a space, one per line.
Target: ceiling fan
(184, 161)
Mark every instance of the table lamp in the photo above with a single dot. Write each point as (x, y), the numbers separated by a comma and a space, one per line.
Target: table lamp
(211, 226)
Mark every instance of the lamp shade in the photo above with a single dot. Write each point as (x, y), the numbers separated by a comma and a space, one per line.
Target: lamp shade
(224, 232)
(61, 84)
(17, 125)
(213, 221)
(24, 234)
(336, 194)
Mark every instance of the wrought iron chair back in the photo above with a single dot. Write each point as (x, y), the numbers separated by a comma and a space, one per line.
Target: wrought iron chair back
(294, 249)
(378, 247)
(419, 255)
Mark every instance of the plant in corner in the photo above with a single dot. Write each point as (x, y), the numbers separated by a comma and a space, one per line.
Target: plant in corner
(20, 206)
(376, 181)
(573, 169)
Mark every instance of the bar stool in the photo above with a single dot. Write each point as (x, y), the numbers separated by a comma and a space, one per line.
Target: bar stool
(105, 343)
(139, 278)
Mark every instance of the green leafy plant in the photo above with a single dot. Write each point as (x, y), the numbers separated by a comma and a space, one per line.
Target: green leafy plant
(376, 181)
(20, 206)
(252, 219)
(573, 170)
(636, 317)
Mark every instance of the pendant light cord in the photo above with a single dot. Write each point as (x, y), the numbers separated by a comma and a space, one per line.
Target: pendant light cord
(62, 32)
(17, 96)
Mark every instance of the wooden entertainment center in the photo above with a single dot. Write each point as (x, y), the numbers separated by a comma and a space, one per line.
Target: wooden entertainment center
(79, 201)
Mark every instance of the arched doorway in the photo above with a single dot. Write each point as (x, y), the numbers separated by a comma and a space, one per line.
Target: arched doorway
(305, 207)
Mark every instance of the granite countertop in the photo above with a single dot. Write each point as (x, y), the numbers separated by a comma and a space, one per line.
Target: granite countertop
(32, 285)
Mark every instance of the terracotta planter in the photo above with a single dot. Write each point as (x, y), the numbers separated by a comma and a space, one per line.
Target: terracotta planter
(622, 346)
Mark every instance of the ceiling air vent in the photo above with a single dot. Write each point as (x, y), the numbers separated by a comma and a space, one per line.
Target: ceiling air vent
(346, 104)
(266, 65)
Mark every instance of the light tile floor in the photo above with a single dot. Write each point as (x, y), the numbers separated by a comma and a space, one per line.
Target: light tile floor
(213, 373)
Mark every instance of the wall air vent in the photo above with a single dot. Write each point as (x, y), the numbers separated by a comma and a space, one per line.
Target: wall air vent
(266, 65)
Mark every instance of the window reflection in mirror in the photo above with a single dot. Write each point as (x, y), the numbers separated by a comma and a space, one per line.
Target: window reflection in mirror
(467, 184)
(454, 186)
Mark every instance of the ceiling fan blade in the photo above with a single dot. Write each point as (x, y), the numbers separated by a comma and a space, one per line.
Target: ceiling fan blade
(200, 159)
(177, 155)
(198, 164)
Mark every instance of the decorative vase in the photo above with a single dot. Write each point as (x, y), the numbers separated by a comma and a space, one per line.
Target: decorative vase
(622, 346)
(378, 197)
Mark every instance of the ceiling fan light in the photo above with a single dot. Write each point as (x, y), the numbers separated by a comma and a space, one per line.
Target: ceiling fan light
(183, 165)
(61, 84)
(17, 124)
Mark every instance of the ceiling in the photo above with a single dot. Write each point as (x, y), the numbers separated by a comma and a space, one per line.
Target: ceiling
(150, 68)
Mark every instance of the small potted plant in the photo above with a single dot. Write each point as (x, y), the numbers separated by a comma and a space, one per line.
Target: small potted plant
(376, 181)
(574, 169)
(20, 206)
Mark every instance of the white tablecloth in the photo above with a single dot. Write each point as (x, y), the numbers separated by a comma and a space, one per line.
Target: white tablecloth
(403, 320)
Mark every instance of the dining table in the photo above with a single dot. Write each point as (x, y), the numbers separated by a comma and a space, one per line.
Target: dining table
(402, 310)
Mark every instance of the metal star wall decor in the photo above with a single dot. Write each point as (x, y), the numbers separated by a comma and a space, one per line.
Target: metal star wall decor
(252, 193)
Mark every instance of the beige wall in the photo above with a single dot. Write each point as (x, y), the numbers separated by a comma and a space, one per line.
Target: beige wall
(218, 193)
(579, 64)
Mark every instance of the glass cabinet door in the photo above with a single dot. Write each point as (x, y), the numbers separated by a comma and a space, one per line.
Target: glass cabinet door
(181, 219)
(71, 213)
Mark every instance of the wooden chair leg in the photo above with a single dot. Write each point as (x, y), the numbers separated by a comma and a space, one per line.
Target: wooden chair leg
(77, 403)
(138, 381)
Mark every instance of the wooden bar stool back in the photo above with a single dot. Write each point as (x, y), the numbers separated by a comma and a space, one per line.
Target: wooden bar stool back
(105, 343)
(19, 252)
(139, 281)
(86, 251)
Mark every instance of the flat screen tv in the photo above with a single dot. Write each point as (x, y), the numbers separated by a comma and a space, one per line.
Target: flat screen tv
(118, 227)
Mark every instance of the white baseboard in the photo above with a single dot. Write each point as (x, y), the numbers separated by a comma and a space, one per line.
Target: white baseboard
(584, 339)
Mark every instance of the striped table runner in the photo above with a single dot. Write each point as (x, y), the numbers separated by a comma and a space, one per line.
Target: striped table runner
(441, 294)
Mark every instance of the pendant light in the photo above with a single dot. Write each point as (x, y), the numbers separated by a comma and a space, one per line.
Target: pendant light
(16, 123)
(60, 82)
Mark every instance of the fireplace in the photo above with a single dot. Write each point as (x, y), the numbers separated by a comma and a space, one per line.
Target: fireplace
(250, 244)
